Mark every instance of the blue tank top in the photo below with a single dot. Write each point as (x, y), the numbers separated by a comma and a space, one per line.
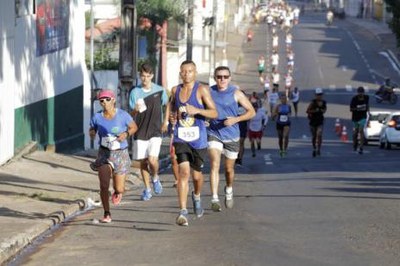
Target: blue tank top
(227, 107)
(190, 129)
(283, 114)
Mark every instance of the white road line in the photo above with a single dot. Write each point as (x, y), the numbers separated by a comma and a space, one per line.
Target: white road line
(364, 59)
(391, 61)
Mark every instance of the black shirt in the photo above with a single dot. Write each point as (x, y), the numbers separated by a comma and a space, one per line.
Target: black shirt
(359, 107)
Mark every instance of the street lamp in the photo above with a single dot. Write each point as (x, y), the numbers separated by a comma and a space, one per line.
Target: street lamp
(127, 51)
(189, 41)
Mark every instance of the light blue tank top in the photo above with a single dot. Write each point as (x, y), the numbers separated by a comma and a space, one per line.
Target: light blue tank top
(226, 107)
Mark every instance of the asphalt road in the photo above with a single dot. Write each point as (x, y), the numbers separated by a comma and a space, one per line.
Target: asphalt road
(337, 209)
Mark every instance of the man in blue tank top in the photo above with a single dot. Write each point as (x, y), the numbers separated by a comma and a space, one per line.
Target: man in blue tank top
(190, 104)
(224, 134)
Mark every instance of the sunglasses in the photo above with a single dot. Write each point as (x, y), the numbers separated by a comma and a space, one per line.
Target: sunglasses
(105, 99)
(223, 76)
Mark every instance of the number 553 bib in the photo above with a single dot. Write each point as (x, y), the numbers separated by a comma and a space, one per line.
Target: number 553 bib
(189, 133)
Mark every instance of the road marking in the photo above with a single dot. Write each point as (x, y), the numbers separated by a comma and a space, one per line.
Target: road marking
(268, 160)
(385, 54)
(364, 59)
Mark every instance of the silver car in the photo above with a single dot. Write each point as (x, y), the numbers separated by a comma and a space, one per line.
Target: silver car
(373, 126)
(390, 133)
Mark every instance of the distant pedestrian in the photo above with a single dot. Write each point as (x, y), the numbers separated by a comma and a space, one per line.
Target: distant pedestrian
(281, 115)
(146, 102)
(315, 112)
(113, 126)
(273, 98)
(295, 98)
(359, 108)
(261, 65)
(257, 126)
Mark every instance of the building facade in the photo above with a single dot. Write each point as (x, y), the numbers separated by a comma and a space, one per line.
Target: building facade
(42, 73)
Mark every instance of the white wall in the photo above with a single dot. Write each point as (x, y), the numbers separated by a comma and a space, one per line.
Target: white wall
(26, 78)
(7, 85)
(39, 78)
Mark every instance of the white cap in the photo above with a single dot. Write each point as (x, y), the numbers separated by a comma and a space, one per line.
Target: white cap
(318, 91)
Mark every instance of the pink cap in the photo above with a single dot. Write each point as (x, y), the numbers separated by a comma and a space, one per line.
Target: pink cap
(106, 94)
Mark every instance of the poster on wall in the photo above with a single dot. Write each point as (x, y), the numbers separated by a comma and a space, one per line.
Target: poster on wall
(52, 26)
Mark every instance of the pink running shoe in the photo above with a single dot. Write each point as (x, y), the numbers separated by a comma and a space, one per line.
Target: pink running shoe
(106, 219)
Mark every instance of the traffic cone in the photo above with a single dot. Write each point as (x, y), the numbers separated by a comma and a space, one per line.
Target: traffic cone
(344, 136)
(338, 127)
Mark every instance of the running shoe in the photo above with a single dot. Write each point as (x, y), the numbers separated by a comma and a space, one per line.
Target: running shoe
(106, 219)
(215, 205)
(281, 153)
(116, 198)
(157, 186)
(318, 152)
(146, 195)
(360, 151)
(198, 210)
(314, 153)
(182, 218)
(228, 199)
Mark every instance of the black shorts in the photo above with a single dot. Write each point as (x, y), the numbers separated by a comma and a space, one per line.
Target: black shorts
(281, 126)
(185, 153)
(243, 129)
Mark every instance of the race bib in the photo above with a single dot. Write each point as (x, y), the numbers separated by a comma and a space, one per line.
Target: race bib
(110, 143)
(188, 133)
(283, 118)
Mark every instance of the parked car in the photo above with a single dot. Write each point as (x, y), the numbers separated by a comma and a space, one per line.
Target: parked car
(374, 124)
(390, 133)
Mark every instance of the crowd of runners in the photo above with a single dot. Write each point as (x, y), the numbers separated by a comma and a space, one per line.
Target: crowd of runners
(204, 121)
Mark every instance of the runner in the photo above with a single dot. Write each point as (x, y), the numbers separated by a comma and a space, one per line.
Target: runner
(113, 126)
(359, 107)
(223, 133)
(273, 98)
(146, 103)
(282, 117)
(256, 128)
(261, 65)
(295, 97)
(315, 112)
(193, 104)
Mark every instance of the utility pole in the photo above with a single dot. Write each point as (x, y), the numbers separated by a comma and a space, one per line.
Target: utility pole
(127, 51)
(213, 40)
(189, 41)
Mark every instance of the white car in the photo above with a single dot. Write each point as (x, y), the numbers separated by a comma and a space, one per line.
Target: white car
(373, 125)
(390, 133)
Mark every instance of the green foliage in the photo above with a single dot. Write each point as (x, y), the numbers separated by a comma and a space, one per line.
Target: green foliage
(394, 23)
(160, 10)
(102, 59)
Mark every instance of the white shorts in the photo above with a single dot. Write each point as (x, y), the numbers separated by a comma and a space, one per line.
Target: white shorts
(229, 149)
(142, 149)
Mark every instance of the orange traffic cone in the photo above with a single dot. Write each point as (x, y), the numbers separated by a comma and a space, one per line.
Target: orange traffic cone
(338, 127)
(344, 136)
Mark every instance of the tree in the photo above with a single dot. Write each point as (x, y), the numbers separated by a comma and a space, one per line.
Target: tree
(157, 13)
(394, 23)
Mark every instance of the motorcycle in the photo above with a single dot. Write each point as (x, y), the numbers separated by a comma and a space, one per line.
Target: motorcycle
(386, 94)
